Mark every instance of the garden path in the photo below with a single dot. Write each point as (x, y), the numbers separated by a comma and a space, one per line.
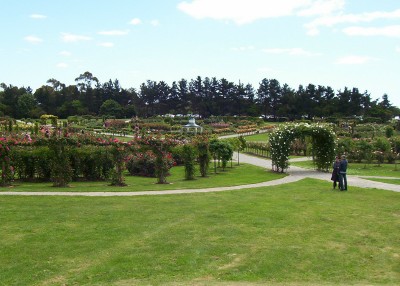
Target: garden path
(295, 174)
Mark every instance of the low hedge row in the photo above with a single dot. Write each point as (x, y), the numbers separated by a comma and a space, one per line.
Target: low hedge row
(87, 162)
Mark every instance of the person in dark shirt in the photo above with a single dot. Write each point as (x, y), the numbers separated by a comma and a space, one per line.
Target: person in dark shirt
(335, 172)
(342, 174)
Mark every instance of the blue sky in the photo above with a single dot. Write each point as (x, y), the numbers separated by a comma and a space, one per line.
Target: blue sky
(337, 43)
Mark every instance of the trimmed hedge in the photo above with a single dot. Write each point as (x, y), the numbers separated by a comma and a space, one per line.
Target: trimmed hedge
(90, 163)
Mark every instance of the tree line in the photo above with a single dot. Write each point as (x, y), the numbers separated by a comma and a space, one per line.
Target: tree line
(207, 96)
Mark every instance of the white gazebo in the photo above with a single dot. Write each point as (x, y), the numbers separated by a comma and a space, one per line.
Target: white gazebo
(192, 127)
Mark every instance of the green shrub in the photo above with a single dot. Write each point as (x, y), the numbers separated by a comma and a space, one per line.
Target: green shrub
(389, 131)
(345, 145)
(189, 154)
(395, 143)
(142, 164)
(61, 170)
(177, 154)
(382, 144)
(90, 163)
(390, 157)
(32, 163)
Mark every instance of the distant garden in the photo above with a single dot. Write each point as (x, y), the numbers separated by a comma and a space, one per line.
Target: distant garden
(86, 148)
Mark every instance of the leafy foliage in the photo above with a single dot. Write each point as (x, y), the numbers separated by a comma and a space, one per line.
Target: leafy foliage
(142, 164)
(323, 138)
(189, 154)
(61, 171)
(204, 96)
(202, 143)
(7, 170)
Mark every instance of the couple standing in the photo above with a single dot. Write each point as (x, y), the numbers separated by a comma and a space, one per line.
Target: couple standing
(339, 173)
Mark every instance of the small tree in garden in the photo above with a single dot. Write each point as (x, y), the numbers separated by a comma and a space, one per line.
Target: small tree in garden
(141, 164)
(160, 147)
(345, 146)
(365, 148)
(203, 149)
(214, 143)
(225, 152)
(118, 152)
(61, 171)
(189, 157)
(7, 170)
(383, 149)
(221, 150)
(389, 131)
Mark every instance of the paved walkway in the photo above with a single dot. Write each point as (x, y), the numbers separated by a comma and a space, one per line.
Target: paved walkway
(295, 174)
(300, 173)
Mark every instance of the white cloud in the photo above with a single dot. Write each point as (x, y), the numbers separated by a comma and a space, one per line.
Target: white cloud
(322, 7)
(65, 53)
(243, 11)
(290, 51)
(332, 20)
(388, 31)
(135, 21)
(397, 49)
(62, 65)
(114, 33)
(354, 60)
(72, 38)
(38, 16)
(107, 44)
(33, 39)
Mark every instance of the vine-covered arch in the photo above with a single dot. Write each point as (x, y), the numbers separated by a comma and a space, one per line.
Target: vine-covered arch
(323, 140)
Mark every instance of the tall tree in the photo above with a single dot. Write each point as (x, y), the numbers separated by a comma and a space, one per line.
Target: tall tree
(85, 80)
(26, 105)
(288, 107)
(263, 98)
(196, 90)
(274, 93)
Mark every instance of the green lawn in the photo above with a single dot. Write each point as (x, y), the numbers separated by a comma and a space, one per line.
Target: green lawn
(232, 176)
(388, 181)
(257, 137)
(296, 234)
(385, 170)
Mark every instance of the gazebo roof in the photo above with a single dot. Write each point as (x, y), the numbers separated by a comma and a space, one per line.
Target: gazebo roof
(192, 123)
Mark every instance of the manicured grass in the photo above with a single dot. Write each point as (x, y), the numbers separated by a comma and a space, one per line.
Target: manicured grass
(261, 137)
(296, 234)
(232, 176)
(388, 181)
(298, 156)
(385, 170)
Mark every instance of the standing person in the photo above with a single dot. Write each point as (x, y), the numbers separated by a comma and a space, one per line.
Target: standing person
(342, 174)
(335, 172)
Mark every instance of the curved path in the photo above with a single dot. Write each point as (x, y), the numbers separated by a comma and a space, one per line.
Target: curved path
(295, 174)
(300, 173)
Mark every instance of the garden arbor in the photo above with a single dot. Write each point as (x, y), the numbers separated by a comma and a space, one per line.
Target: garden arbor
(323, 142)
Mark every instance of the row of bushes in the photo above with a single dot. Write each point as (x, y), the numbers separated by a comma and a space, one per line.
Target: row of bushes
(94, 163)
(87, 162)
(379, 149)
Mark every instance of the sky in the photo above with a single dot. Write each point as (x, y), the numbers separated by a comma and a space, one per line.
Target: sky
(336, 43)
